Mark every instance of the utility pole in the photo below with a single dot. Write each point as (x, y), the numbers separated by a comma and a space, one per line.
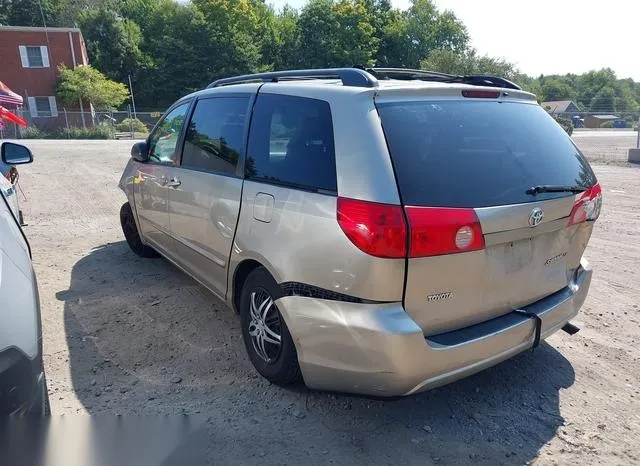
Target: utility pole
(133, 102)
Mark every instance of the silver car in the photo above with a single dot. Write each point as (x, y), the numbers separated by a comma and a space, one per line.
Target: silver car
(379, 231)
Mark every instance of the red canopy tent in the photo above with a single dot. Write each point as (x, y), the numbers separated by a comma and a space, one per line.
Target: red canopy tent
(12, 117)
(7, 96)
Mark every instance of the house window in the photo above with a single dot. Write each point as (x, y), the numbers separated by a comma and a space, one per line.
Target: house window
(34, 56)
(43, 107)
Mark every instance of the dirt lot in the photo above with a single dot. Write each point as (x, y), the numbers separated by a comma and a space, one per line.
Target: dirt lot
(128, 335)
(606, 146)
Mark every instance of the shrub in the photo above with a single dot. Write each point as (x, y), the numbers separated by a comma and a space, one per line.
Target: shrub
(101, 131)
(128, 123)
(565, 123)
(31, 132)
(606, 124)
(104, 130)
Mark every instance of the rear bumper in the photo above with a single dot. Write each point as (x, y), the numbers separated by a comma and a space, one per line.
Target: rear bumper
(21, 383)
(377, 349)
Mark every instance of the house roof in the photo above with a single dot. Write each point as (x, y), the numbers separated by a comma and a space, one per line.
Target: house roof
(36, 29)
(558, 106)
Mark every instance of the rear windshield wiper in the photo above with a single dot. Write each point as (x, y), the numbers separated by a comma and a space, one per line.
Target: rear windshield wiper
(550, 188)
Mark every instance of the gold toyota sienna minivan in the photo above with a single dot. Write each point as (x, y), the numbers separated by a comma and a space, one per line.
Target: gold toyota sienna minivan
(379, 231)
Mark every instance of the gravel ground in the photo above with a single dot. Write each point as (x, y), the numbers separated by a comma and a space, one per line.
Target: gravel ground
(606, 146)
(129, 335)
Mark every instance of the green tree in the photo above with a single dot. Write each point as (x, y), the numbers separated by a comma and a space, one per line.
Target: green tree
(28, 13)
(394, 40)
(334, 34)
(604, 100)
(286, 40)
(428, 30)
(86, 84)
(68, 12)
(555, 88)
(139, 10)
(113, 43)
(469, 62)
(235, 34)
(597, 91)
(179, 63)
(173, 47)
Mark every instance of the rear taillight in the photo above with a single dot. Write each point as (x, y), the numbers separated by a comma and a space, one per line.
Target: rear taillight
(587, 206)
(436, 230)
(377, 229)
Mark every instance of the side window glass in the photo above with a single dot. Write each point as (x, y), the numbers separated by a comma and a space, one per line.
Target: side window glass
(215, 135)
(163, 141)
(291, 143)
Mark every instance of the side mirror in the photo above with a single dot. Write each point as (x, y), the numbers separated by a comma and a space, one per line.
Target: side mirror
(140, 151)
(15, 154)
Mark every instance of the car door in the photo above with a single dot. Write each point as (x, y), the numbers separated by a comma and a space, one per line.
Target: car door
(204, 200)
(9, 191)
(151, 195)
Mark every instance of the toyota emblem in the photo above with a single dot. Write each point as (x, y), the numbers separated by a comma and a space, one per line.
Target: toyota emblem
(535, 217)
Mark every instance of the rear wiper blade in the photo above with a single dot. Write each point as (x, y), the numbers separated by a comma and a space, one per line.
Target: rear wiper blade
(550, 188)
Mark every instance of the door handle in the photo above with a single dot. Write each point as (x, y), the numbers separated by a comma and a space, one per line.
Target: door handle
(174, 183)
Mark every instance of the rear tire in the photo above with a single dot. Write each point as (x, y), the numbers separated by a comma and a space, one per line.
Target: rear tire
(130, 230)
(265, 333)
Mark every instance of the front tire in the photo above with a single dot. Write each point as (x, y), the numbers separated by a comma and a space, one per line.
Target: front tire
(41, 406)
(265, 333)
(130, 230)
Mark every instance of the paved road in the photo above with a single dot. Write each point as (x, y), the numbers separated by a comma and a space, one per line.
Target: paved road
(129, 335)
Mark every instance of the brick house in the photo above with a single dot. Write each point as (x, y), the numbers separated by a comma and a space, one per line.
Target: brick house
(30, 58)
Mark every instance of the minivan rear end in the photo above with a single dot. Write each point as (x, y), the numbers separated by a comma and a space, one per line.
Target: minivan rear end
(497, 205)
(482, 240)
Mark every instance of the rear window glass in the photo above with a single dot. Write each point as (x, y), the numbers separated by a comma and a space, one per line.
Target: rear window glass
(291, 143)
(478, 153)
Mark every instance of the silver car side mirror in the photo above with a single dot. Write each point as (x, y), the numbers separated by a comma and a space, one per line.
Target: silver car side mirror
(15, 154)
(140, 151)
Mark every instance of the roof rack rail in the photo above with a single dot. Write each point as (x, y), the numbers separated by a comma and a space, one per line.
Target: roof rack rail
(410, 74)
(356, 77)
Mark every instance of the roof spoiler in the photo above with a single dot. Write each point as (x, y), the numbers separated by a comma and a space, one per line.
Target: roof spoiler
(423, 75)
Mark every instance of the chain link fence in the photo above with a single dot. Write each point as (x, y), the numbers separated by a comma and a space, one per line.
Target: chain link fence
(605, 119)
(73, 124)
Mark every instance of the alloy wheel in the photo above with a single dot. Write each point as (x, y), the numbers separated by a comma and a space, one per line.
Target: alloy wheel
(265, 326)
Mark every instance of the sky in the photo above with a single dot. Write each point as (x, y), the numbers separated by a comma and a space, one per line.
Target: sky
(549, 36)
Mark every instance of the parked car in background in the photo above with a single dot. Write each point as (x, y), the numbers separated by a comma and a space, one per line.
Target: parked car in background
(379, 231)
(23, 387)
